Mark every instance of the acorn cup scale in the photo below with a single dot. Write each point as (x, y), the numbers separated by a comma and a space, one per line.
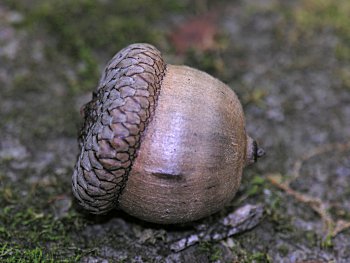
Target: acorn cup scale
(164, 143)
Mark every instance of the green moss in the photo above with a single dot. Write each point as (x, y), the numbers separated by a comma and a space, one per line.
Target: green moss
(311, 237)
(213, 251)
(275, 211)
(13, 253)
(29, 230)
(259, 257)
(283, 250)
(327, 242)
(249, 255)
(257, 185)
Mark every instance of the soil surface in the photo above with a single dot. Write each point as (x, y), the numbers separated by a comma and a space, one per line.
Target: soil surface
(289, 63)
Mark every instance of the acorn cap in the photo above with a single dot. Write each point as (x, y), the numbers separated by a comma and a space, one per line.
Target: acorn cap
(115, 120)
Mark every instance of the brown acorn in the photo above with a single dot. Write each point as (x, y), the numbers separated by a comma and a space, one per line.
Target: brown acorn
(164, 143)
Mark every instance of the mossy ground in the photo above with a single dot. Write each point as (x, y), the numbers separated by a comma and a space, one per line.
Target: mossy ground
(287, 60)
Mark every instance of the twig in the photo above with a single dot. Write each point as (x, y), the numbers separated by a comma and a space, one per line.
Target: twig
(340, 147)
(316, 204)
(243, 219)
(331, 227)
(340, 226)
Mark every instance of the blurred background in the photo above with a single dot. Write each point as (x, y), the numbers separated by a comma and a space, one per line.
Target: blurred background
(289, 63)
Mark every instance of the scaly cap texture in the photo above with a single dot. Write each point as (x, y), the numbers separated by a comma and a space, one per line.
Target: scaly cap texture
(115, 120)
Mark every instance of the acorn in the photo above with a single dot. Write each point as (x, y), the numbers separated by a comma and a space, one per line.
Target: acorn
(165, 143)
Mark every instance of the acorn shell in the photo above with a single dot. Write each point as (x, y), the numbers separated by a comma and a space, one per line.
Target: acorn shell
(191, 158)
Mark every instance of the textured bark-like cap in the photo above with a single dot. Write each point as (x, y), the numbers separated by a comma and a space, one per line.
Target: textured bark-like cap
(115, 120)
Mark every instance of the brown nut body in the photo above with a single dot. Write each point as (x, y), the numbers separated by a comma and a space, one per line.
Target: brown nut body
(165, 143)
